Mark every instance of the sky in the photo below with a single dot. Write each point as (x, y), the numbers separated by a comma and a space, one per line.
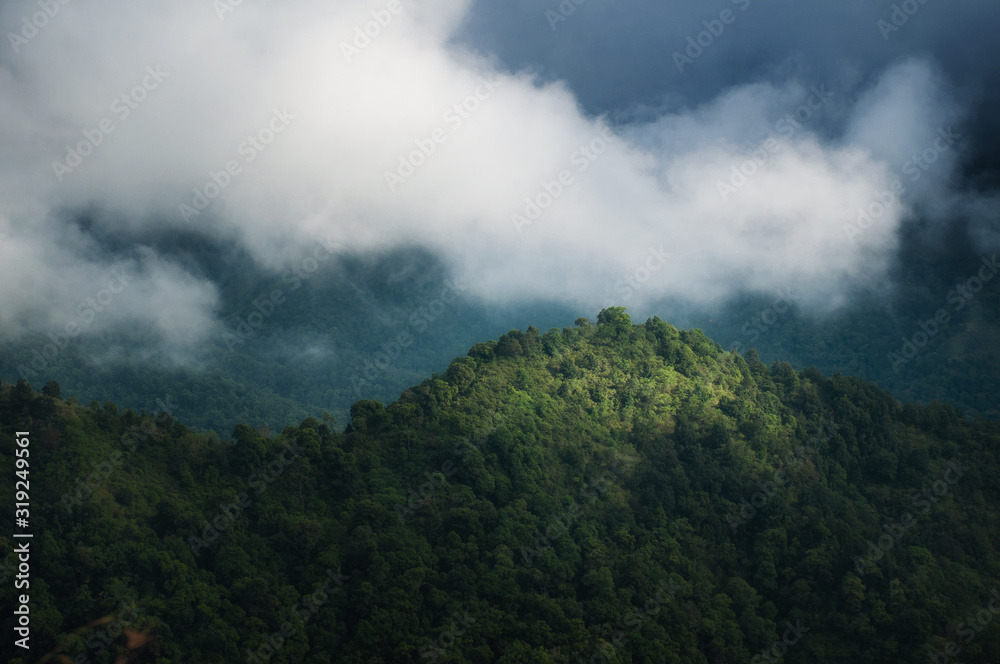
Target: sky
(591, 153)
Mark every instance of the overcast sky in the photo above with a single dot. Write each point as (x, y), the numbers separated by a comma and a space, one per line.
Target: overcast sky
(595, 153)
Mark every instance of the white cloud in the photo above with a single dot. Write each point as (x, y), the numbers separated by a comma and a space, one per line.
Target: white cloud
(655, 185)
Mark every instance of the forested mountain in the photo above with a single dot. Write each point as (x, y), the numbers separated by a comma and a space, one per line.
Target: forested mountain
(333, 337)
(609, 492)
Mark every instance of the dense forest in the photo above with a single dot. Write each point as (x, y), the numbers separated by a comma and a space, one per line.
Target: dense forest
(608, 492)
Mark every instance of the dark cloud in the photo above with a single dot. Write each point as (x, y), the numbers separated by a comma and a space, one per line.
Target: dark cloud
(616, 55)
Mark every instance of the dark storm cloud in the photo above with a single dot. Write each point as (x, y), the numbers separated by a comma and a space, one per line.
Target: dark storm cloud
(618, 54)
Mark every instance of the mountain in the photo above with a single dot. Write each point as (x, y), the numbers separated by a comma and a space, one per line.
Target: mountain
(333, 336)
(608, 492)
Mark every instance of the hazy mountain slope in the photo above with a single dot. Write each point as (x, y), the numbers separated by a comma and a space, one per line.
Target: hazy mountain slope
(329, 338)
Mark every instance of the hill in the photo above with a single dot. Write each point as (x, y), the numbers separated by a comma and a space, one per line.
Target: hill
(609, 492)
(332, 337)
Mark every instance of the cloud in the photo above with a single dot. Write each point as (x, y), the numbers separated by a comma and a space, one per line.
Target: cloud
(272, 126)
(617, 55)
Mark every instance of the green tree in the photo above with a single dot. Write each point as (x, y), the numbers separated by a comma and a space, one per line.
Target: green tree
(615, 321)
